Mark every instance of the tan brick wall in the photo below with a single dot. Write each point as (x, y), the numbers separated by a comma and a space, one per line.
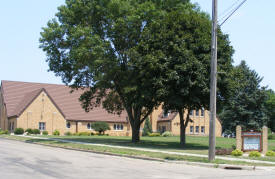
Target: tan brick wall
(43, 110)
(82, 127)
(3, 114)
(201, 121)
(154, 117)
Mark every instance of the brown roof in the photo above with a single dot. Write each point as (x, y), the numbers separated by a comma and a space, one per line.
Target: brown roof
(18, 95)
(170, 117)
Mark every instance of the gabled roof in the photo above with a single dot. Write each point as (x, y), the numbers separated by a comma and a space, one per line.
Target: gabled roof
(170, 117)
(29, 98)
(18, 95)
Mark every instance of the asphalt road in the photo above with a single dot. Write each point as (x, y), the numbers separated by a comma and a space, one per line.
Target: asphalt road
(27, 161)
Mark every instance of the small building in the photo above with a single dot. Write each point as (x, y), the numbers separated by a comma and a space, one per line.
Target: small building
(52, 107)
(170, 121)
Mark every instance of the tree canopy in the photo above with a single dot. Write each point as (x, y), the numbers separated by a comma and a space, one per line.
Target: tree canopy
(94, 44)
(182, 42)
(246, 105)
(270, 107)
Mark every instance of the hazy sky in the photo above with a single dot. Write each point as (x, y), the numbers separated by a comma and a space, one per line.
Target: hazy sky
(251, 31)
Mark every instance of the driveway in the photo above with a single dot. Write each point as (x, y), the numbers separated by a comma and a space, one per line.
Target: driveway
(24, 160)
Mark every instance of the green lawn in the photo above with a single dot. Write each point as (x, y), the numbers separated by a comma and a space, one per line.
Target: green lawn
(195, 144)
(126, 152)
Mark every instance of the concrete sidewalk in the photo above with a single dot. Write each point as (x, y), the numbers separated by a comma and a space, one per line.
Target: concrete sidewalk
(153, 150)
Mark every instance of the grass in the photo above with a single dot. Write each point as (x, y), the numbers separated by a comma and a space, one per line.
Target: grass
(195, 144)
(130, 152)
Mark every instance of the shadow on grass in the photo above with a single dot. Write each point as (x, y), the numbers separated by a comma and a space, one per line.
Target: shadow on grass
(147, 143)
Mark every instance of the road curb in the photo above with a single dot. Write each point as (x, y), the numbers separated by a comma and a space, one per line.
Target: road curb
(209, 165)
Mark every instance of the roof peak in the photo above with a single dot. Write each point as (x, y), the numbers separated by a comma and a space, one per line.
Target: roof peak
(32, 82)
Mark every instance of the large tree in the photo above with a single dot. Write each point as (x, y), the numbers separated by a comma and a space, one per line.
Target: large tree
(182, 42)
(94, 44)
(246, 106)
(270, 107)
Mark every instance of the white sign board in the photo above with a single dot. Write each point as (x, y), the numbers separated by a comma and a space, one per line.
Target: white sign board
(251, 143)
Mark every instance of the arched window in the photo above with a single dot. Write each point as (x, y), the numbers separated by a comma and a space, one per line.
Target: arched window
(115, 127)
(88, 126)
(202, 112)
(68, 125)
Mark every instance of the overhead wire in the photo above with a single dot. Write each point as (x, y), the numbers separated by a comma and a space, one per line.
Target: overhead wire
(229, 8)
(231, 13)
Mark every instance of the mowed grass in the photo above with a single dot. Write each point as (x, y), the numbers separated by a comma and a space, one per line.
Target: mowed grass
(194, 144)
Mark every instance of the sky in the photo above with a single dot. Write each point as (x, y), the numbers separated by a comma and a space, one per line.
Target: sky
(251, 32)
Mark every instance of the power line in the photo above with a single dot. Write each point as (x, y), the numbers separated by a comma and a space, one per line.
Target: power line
(225, 12)
(233, 11)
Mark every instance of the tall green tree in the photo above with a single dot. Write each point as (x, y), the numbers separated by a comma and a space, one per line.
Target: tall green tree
(270, 107)
(246, 106)
(147, 127)
(182, 42)
(94, 44)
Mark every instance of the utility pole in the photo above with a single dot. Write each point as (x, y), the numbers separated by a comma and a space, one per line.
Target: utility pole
(213, 83)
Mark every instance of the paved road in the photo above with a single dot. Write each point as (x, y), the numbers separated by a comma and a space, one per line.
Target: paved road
(23, 160)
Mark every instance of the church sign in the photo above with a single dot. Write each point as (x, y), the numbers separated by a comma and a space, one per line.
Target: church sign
(252, 141)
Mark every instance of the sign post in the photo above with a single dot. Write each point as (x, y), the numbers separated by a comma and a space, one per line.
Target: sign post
(252, 140)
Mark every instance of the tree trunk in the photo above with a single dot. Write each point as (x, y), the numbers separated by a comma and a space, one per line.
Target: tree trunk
(135, 132)
(182, 128)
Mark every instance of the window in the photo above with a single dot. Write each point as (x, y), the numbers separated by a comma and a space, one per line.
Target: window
(42, 126)
(166, 113)
(192, 113)
(197, 112)
(68, 125)
(118, 127)
(202, 129)
(89, 126)
(202, 112)
(191, 129)
(197, 129)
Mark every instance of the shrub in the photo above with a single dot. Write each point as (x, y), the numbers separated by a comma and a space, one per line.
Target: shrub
(156, 134)
(84, 133)
(36, 131)
(68, 133)
(254, 154)
(271, 136)
(237, 152)
(100, 127)
(45, 133)
(4, 132)
(147, 128)
(19, 131)
(270, 153)
(224, 151)
(56, 132)
(167, 134)
(29, 131)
